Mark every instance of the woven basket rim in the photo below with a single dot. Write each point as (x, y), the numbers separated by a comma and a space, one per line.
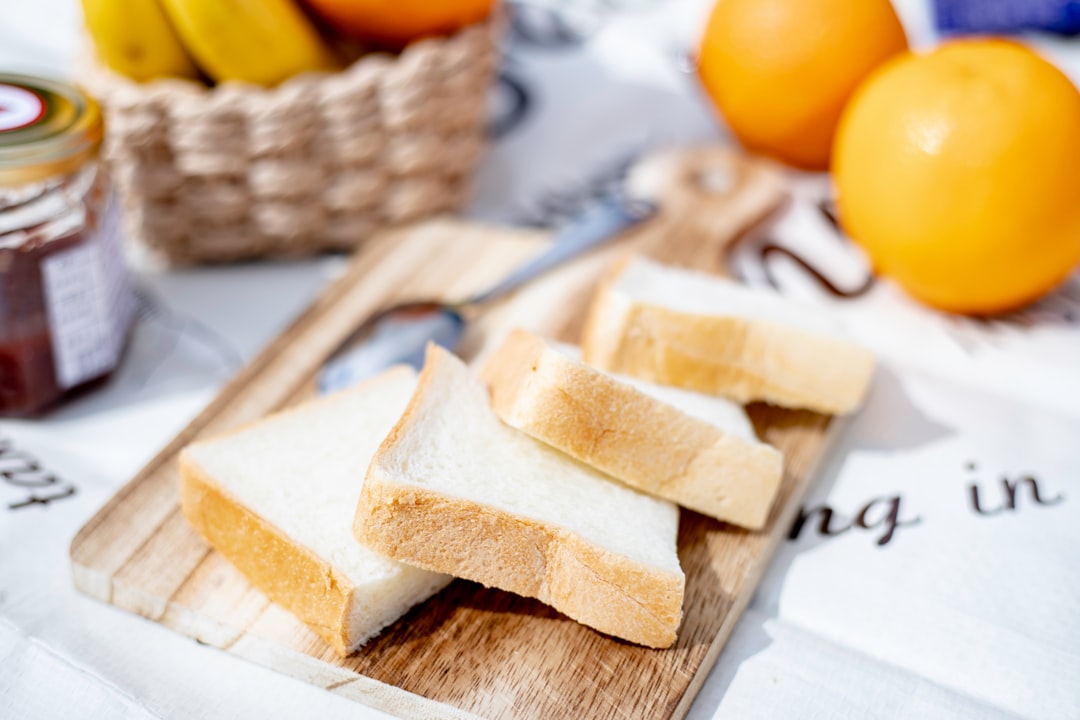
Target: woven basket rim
(101, 79)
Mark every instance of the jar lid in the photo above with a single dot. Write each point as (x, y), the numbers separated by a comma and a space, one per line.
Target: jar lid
(47, 129)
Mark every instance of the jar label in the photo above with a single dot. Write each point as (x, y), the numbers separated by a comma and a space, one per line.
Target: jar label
(19, 107)
(89, 301)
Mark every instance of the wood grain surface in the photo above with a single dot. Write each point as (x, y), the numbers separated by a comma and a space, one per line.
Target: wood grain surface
(469, 651)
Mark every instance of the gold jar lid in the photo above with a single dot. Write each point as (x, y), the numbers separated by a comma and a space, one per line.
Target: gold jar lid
(47, 129)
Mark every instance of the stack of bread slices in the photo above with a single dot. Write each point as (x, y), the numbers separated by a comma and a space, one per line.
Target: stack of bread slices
(553, 473)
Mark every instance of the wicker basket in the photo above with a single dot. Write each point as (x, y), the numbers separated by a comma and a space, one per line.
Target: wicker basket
(317, 163)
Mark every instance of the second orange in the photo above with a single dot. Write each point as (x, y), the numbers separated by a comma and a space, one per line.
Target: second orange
(781, 71)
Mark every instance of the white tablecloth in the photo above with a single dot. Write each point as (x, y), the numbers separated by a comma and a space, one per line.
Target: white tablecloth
(911, 601)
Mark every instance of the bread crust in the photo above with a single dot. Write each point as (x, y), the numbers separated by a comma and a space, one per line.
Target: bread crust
(744, 359)
(643, 442)
(497, 548)
(310, 587)
(595, 587)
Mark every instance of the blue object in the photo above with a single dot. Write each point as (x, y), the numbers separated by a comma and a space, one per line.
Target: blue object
(1008, 16)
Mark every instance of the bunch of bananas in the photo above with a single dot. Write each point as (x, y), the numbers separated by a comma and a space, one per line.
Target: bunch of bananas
(255, 41)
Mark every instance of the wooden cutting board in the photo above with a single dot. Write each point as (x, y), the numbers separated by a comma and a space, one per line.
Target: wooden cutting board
(469, 651)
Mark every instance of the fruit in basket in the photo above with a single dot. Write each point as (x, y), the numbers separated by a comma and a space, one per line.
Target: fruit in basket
(780, 71)
(256, 41)
(957, 172)
(136, 39)
(396, 22)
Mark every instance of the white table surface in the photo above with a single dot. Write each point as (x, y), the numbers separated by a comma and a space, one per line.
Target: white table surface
(956, 616)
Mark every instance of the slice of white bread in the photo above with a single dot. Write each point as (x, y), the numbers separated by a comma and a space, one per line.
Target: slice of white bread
(696, 450)
(454, 490)
(705, 333)
(277, 499)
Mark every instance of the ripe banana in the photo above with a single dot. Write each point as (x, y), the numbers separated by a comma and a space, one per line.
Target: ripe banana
(256, 41)
(135, 38)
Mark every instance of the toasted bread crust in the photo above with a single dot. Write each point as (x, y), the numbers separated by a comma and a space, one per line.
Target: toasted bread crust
(290, 575)
(445, 534)
(637, 439)
(744, 359)
(496, 548)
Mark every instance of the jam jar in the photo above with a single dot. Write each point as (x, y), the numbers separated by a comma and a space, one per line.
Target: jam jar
(66, 301)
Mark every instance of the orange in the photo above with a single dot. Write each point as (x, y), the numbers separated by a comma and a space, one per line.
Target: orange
(780, 71)
(957, 172)
(396, 22)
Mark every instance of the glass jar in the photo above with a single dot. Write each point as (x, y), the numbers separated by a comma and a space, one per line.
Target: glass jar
(66, 302)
